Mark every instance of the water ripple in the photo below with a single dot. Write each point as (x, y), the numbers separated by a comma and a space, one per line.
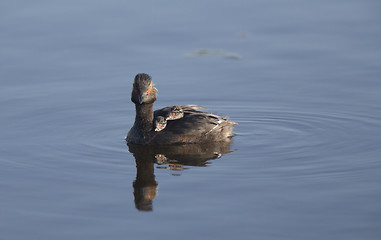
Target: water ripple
(308, 134)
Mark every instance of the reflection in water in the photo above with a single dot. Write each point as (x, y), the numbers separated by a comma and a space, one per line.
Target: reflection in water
(176, 157)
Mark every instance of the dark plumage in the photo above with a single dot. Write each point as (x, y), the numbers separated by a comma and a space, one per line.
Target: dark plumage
(194, 126)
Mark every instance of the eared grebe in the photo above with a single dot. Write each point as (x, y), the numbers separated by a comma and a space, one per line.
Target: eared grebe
(175, 113)
(160, 123)
(188, 125)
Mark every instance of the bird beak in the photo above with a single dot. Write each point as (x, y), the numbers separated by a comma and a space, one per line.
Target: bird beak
(140, 98)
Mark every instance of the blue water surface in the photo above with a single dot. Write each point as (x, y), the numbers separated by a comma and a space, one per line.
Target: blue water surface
(302, 79)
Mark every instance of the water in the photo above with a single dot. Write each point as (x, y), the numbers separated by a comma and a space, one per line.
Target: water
(302, 79)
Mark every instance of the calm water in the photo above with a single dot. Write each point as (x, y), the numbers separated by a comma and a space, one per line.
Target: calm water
(302, 79)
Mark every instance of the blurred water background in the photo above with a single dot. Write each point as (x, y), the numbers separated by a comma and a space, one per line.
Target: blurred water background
(302, 79)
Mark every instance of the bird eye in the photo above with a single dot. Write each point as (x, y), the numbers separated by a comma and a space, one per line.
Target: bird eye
(136, 91)
(147, 91)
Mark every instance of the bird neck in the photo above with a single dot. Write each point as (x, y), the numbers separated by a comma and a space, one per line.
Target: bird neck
(144, 116)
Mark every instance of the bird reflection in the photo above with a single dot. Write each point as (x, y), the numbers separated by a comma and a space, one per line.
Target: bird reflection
(173, 157)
